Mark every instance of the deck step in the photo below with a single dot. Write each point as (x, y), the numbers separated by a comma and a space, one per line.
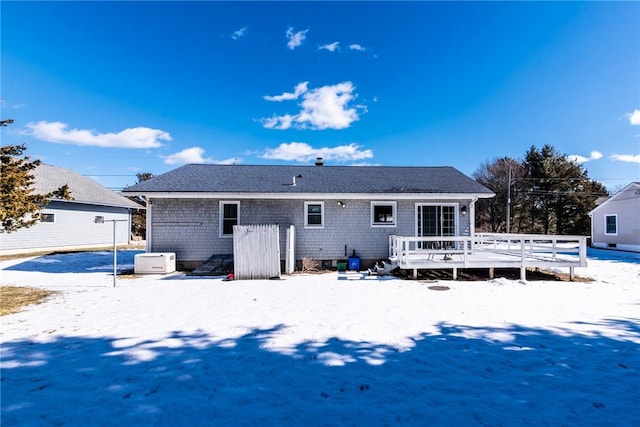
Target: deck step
(383, 267)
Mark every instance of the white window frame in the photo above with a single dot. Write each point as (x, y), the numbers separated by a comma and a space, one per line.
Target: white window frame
(394, 214)
(605, 224)
(222, 204)
(456, 210)
(306, 215)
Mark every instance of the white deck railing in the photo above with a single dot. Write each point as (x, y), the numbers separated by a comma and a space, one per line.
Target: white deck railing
(488, 250)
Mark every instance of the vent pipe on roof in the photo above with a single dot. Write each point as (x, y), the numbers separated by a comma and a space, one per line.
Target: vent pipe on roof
(319, 161)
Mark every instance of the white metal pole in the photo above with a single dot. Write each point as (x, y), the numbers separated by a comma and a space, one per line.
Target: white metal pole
(115, 254)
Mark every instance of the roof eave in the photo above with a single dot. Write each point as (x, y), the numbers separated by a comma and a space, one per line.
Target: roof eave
(308, 196)
(93, 203)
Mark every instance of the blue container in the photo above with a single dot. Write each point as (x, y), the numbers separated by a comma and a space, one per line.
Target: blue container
(354, 263)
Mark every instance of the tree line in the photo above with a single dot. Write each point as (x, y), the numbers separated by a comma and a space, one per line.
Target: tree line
(544, 193)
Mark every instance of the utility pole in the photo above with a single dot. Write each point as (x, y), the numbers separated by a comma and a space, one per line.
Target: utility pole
(509, 202)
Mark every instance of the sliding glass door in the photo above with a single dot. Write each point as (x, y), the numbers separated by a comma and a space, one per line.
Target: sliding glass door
(436, 220)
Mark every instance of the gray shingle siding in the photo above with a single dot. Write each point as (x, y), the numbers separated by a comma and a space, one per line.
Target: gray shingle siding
(190, 227)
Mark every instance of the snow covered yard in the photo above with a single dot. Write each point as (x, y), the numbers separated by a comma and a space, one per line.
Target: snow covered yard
(321, 350)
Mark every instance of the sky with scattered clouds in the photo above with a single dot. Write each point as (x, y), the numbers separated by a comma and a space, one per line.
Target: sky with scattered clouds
(111, 89)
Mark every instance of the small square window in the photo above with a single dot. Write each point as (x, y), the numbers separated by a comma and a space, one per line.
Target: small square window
(47, 217)
(314, 214)
(383, 214)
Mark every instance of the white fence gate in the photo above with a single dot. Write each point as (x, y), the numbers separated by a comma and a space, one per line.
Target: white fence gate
(256, 251)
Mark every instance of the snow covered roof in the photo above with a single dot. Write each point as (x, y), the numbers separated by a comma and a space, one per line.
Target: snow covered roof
(83, 190)
(312, 180)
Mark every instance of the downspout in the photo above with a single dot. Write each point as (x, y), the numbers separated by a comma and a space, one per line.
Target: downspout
(148, 232)
(129, 225)
(472, 222)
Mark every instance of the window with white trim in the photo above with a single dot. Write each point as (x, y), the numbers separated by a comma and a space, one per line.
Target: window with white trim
(383, 214)
(314, 214)
(611, 224)
(229, 216)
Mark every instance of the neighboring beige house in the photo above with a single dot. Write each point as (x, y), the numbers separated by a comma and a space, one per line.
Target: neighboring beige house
(615, 224)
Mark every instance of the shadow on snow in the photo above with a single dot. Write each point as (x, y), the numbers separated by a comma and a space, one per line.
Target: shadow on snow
(460, 376)
(77, 262)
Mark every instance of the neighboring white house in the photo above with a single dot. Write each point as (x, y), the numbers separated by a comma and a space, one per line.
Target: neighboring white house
(69, 224)
(615, 224)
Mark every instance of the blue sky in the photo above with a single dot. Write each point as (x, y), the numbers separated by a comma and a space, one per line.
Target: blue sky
(110, 89)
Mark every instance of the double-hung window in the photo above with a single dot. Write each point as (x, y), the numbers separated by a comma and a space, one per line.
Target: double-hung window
(314, 214)
(611, 224)
(383, 214)
(229, 216)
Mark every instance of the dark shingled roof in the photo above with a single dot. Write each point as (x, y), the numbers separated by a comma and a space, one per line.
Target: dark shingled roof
(313, 179)
(83, 190)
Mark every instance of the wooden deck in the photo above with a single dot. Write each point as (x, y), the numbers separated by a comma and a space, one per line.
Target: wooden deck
(488, 251)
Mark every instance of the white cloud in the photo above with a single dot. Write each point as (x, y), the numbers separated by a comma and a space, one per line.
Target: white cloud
(139, 137)
(278, 122)
(304, 153)
(325, 107)
(629, 158)
(595, 155)
(295, 39)
(239, 33)
(288, 96)
(356, 46)
(331, 47)
(634, 118)
(195, 155)
(188, 155)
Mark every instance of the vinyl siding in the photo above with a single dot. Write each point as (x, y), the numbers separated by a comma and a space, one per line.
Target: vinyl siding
(73, 227)
(625, 205)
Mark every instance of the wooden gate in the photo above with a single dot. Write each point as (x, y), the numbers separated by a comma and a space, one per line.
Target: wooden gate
(256, 251)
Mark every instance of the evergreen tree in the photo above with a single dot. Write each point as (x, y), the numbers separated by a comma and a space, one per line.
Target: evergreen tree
(139, 216)
(550, 194)
(19, 205)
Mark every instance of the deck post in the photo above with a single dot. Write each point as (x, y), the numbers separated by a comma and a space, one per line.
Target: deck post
(415, 273)
(455, 274)
(572, 274)
(492, 273)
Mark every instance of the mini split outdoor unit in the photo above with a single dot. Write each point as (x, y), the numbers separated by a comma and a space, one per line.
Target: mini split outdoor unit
(154, 263)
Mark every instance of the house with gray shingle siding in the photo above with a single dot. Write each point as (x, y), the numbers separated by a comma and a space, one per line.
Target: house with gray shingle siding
(69, 224)
(336, 210)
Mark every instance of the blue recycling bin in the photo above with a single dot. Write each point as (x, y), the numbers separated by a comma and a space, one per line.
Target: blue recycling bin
(354, 263)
